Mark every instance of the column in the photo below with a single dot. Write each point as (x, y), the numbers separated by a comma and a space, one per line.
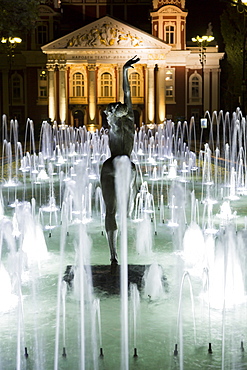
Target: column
(160, 95)
(62, 92)
(150, 94)
(120, 83)
(91, 93)
(215, 89)
(51, 101)
(206, 88)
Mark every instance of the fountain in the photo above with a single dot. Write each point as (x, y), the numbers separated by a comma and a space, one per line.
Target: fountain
(182, 254)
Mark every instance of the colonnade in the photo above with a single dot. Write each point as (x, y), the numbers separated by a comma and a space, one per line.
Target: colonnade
(152, 102)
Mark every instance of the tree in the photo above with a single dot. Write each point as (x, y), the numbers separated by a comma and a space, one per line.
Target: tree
(17, 17)
(234, 32)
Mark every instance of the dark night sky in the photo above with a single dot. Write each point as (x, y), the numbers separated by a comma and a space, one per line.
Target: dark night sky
(200, 13)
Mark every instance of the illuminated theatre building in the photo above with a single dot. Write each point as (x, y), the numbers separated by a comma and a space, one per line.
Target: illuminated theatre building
(77, 75)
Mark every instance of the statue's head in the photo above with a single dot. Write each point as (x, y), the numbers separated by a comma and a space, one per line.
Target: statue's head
(116, 110)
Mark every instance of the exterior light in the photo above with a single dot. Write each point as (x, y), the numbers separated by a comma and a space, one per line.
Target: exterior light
(243, 2)
(15, 40)
(11, 40)
(43, 75)
(9, 46)
(203, 39)
(240, 4)
(202, 42)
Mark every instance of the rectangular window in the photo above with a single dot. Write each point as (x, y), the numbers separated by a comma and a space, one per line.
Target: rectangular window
(170, 34)
(43, 91)
(169, 91)
(170, 83)
(42, 33)
(42, 84)
(16, 88)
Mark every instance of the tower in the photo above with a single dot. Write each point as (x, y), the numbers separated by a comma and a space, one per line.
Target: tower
(169, 22)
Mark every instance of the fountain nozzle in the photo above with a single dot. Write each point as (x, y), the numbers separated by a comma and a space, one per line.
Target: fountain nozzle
(26, 354)
(135, 352)
(242, 346)
(175, 350)
(101, 352)
(210, 348)
(64, 352)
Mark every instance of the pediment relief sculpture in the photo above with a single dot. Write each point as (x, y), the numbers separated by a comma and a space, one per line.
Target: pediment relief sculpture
(105, 35)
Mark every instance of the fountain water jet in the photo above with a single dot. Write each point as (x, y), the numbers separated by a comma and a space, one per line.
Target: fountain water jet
(51, 329)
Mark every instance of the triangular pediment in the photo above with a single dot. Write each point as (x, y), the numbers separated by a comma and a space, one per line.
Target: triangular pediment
(106, 33)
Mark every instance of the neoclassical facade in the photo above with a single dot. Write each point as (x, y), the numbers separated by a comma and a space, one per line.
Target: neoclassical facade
(85, 70)
(85, 73)
(72, 78)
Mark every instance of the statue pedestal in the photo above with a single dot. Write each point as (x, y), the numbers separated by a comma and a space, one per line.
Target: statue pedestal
(107, 277)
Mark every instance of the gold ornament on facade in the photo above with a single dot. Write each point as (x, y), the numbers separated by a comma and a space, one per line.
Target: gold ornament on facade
(61, 66)
(91, 67)
(106, 35)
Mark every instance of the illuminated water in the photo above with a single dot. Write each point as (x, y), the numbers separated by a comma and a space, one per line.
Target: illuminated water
(188, 226)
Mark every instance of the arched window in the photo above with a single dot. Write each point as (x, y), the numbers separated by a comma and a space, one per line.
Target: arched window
(78, 85)
(106, 85)
(135, 84)
(170, 34)
(195, 88)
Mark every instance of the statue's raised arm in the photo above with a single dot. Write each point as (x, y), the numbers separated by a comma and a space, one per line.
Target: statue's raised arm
(126, 86)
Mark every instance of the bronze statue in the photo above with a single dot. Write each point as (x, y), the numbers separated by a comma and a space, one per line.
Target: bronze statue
(120, 118)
